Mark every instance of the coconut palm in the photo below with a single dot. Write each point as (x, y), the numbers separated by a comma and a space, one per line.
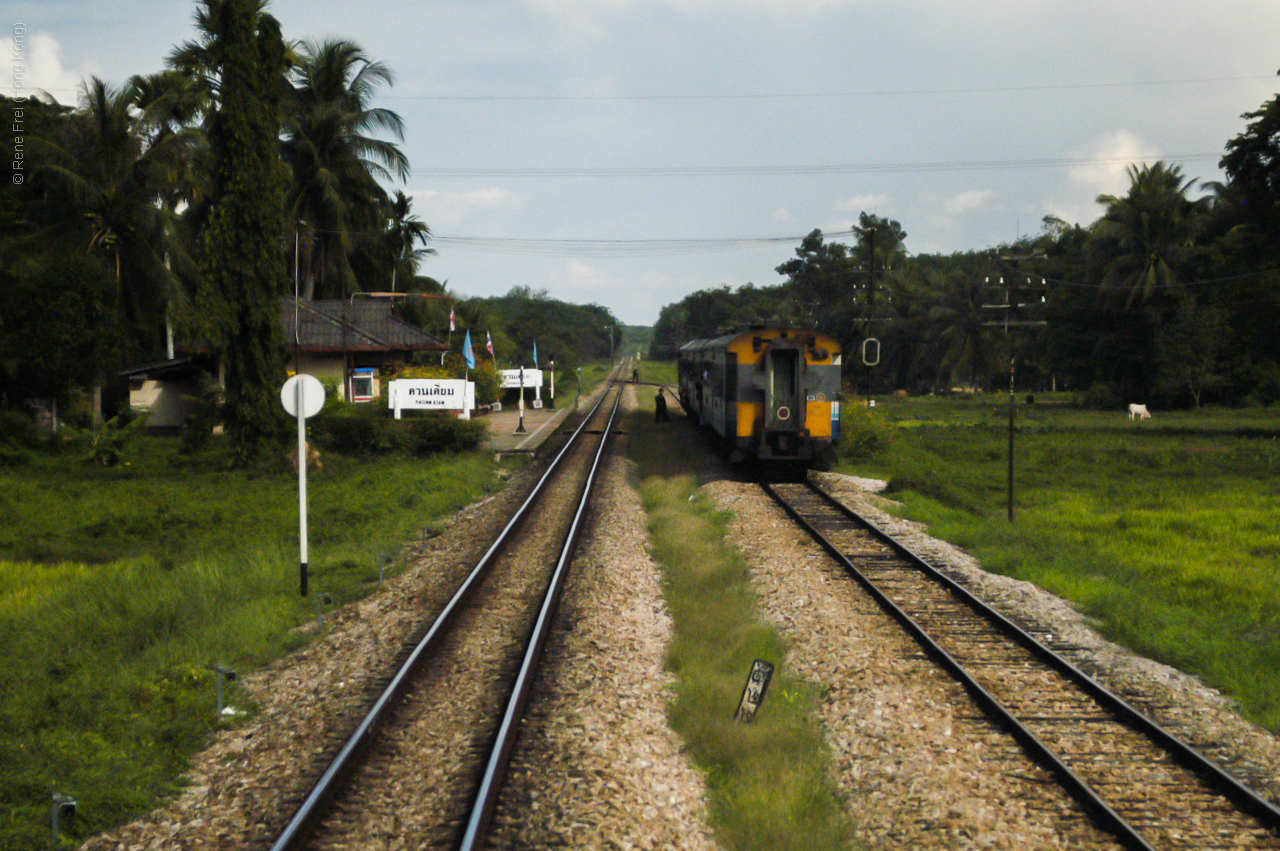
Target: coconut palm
(335, 197)
(1147, 237)
(403, 230)
(957, 340)
(109, 173)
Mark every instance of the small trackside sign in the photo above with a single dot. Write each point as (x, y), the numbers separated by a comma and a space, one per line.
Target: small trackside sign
(753, 693)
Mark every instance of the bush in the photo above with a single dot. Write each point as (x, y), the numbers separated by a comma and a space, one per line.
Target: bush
(358, 434)
(18, 431)
(443, 433)
(863, 433)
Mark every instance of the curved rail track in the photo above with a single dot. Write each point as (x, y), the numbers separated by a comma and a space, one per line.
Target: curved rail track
(423, 768)
(1138, 781)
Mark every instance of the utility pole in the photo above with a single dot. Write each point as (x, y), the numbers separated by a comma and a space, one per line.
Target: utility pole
(1013, 292)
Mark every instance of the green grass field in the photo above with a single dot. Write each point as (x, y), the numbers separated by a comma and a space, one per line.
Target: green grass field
(121, 587)
(1164, 531)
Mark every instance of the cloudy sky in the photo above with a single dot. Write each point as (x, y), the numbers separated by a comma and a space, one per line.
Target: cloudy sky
(627, 152)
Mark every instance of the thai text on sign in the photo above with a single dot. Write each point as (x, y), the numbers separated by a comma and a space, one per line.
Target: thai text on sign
(431, 394)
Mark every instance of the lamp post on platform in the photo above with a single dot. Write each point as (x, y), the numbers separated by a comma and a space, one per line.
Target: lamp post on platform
(520, 425)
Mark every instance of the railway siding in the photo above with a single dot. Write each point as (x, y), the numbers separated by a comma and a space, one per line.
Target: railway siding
(1199, 715)
(920, 766)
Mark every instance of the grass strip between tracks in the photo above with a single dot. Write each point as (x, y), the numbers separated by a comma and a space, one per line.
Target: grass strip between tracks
(768, 782)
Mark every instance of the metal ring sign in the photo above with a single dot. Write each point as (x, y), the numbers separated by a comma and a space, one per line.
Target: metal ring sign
(871, 351)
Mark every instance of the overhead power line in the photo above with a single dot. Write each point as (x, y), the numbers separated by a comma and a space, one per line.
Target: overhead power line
(606, 247)
(829, 95)
(788, 170)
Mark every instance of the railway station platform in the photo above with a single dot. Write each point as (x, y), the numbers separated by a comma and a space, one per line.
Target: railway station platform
(539, 424)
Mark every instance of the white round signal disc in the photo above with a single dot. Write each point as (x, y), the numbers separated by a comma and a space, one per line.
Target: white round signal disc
(312, 392)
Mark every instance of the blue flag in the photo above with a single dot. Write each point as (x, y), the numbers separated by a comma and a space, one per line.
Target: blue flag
(467, 354)
(535, 354)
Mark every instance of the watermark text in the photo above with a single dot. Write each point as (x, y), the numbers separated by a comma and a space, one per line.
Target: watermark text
(19, 66)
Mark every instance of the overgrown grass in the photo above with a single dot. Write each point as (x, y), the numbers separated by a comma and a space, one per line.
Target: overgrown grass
(1164, 531)
(121, 588)
(768, 781)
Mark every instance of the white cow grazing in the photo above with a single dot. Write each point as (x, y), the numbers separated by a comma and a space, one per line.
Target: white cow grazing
(1139, 411)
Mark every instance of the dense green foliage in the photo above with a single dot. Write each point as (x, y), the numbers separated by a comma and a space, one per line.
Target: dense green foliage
(369, 429)
(768, 782)
(244, 272)
(1162, 531)
(183, 198)
(121, 586)
(571, 335)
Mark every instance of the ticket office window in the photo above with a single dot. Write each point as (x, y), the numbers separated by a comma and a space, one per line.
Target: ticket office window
(362, 385)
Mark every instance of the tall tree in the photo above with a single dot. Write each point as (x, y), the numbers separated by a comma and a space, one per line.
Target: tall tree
(403, 230)
(879, 249)
(1252, 162)
(244, 267)
(1147, 238)
(335, 199)
(108, 173)
(821, 280)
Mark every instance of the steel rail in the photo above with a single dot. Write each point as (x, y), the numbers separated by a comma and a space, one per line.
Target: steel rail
(1241, 795)
(312, 807)
(1037, 750)
(486, 799)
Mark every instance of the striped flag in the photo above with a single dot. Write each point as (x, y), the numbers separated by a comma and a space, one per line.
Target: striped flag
(453, 326)
(489, 344)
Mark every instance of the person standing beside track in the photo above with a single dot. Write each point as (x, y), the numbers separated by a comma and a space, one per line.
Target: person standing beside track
(660, 408)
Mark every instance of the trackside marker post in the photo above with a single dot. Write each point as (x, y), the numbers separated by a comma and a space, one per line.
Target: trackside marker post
(754, 691)
(302, 396)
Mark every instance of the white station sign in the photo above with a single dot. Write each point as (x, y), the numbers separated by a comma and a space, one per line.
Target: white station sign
(511, 378)
(431, 394)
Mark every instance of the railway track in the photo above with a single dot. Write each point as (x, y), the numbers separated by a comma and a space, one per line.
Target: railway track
(424, 766)
(1135, 780)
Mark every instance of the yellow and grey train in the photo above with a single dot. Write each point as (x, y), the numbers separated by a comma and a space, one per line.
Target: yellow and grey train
(772, 394)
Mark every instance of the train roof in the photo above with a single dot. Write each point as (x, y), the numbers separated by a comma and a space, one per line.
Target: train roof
(725, 339)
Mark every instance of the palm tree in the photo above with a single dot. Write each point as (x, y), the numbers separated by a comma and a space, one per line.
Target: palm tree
(1146, 237)
(958, 342)
(403, 230)
(335, 197)
(110, 173)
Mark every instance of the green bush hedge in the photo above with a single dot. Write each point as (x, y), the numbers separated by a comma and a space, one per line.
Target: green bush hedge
(360, 433)
(442, 433)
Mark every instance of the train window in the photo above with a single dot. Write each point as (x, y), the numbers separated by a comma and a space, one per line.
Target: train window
(731, 377)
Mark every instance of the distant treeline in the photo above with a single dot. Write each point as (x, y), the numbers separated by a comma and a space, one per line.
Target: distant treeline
(1172, 296)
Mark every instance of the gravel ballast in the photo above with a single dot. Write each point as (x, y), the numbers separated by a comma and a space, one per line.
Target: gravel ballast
(596, 765)
(919, 765)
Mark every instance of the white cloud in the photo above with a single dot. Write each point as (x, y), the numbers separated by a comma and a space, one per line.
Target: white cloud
(863, 203)
(37, 58)
(1112, 178)
(580, 277)
(1116, 151)
(437, 207)
(782, 215)
(967, 202)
